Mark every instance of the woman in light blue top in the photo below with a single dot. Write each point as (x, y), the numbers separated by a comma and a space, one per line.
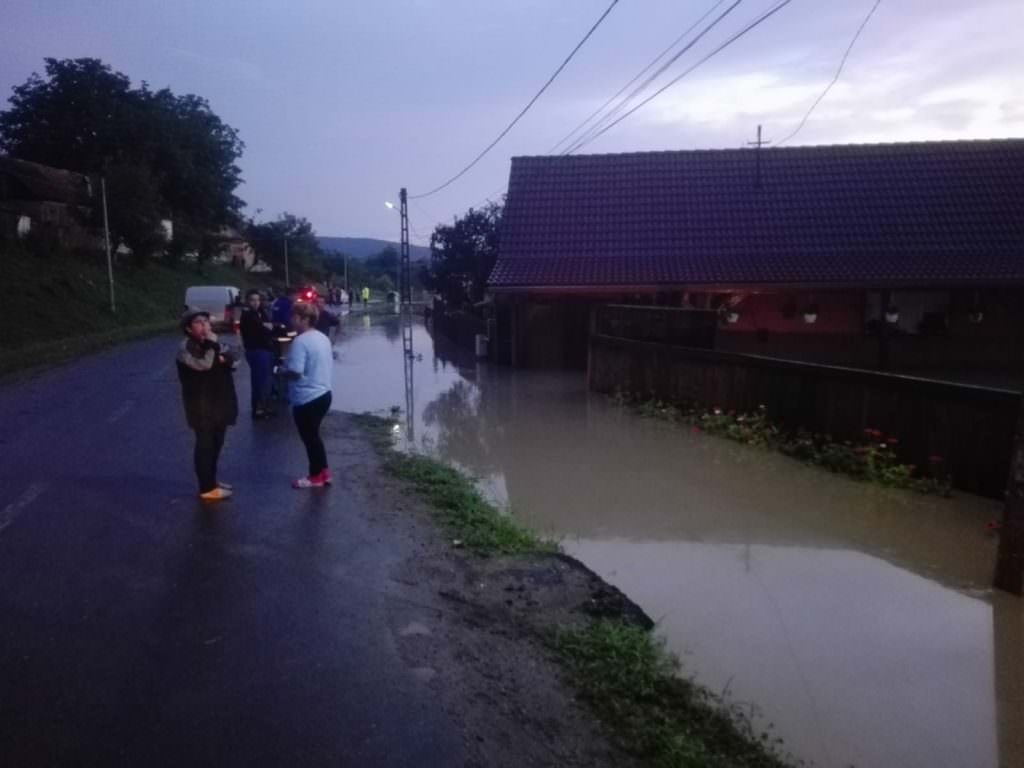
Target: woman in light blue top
(308, 369)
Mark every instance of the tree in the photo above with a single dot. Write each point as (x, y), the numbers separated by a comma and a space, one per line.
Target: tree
(463, 254)
(136, 218)
(304, 253)
(83, 116)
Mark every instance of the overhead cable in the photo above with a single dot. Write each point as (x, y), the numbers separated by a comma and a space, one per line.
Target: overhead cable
(755, 23)
(835, 79)
(640, 74)
(594, 129)
(525, 109)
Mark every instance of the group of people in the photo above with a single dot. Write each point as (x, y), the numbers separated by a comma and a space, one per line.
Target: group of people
(206, 369)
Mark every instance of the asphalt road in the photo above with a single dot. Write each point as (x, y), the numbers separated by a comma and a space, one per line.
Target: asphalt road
(139, 628)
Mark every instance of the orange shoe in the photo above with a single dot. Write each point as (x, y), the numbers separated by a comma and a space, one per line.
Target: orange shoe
(217, 494)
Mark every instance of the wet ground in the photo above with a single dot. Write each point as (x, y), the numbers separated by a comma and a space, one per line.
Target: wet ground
(858, 620)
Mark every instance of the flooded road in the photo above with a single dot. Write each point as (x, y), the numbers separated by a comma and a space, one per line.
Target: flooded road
(859, 620)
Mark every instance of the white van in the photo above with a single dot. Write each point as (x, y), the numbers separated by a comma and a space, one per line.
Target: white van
(218, 300)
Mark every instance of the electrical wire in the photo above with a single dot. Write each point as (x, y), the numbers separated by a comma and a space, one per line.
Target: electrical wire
(755, 23)
(525, 109)
(835, 79)
(640, 74)
(593, 130)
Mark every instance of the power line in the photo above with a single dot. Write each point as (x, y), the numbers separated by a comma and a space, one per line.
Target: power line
(592, 131)
(758, 21)
(835, 79)
(640, 74)
(525, 109)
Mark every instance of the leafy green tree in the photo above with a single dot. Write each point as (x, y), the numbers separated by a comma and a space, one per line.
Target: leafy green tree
(85, 117)
(463, 254)
(305, 257)
(136, 217)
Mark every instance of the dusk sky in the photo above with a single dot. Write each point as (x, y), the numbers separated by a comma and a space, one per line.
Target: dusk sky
(341, 103)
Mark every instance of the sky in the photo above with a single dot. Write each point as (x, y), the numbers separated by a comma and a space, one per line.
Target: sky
(341, 103)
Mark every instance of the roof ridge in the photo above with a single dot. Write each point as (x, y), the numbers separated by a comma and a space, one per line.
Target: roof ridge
(937, 143)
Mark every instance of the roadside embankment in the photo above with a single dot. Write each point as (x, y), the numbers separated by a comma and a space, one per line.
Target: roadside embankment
(57, 307)
(601, 643)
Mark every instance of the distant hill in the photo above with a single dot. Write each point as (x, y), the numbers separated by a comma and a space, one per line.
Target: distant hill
(364, 247)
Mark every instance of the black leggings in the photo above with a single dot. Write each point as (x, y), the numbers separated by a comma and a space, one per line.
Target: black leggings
(208, 445)
(307, 419)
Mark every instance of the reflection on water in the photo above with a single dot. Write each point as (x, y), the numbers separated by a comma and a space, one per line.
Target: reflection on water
(858, 619)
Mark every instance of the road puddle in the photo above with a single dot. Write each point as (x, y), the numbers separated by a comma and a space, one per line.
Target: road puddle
(858, 620)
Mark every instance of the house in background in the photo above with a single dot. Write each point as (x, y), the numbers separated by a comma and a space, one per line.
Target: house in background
(234, 249)
(905, 257)
(34, 196)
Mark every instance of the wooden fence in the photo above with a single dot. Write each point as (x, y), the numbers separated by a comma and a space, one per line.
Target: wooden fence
(972, 428)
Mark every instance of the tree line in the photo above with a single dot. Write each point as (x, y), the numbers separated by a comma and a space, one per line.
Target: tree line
(169, 156)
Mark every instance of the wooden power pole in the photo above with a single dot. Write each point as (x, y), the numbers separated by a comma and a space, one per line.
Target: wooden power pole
(1010, 561)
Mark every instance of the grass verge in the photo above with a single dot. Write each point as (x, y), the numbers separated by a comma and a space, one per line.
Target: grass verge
(466, 515)
(49, 353)
(56, 307)
(633, 684)
(622, 672)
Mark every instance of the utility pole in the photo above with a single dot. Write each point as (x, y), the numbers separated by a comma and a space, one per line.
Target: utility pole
(405, 293)
(404, 282)
(106, 237)
(287, 281)
(757, 145)
(1010, 560)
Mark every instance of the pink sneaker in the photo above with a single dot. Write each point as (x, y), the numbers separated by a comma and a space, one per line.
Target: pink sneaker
(317, 481)
(326, 477)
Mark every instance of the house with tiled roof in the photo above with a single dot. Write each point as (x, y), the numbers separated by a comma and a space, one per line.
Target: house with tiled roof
(909, 256)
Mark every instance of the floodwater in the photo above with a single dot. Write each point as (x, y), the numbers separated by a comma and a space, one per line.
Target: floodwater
(857, 621)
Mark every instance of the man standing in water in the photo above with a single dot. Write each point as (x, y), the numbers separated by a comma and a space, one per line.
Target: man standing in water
(205, 369)
(309, 371)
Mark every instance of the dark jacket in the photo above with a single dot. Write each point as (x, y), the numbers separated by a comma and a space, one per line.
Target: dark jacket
(325, 321)
(254, 335)
(207, 384)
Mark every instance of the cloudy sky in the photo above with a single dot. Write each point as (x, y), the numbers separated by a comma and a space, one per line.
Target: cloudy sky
(340, 103)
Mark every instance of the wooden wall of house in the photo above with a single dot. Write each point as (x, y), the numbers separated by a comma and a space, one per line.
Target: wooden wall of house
(971, 427)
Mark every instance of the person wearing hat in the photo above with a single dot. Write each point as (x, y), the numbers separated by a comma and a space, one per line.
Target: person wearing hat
(205, 369)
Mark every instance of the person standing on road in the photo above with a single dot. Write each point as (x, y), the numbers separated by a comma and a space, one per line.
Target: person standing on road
(281, 310)
(205, 369)
(258, 340)
(308, 369)
(366, 295)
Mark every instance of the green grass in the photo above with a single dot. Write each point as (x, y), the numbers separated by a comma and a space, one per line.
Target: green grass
(57, 307)
(466, 515)
(633, 685)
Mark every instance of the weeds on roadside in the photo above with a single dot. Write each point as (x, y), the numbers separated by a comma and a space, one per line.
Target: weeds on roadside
(460, 507)
(634, 686)
(874, 459)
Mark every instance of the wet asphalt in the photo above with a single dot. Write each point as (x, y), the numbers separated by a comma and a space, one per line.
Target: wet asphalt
(140, 628)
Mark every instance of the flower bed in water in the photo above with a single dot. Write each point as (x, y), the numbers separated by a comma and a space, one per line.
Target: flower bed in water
(872, 459)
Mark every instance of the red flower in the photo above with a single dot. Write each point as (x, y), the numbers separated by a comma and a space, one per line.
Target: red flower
(893, 441)
(696, 429)
(993, 525)
(935, 459)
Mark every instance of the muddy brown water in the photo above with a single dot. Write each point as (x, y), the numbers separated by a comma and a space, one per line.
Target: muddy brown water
(856, 621)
